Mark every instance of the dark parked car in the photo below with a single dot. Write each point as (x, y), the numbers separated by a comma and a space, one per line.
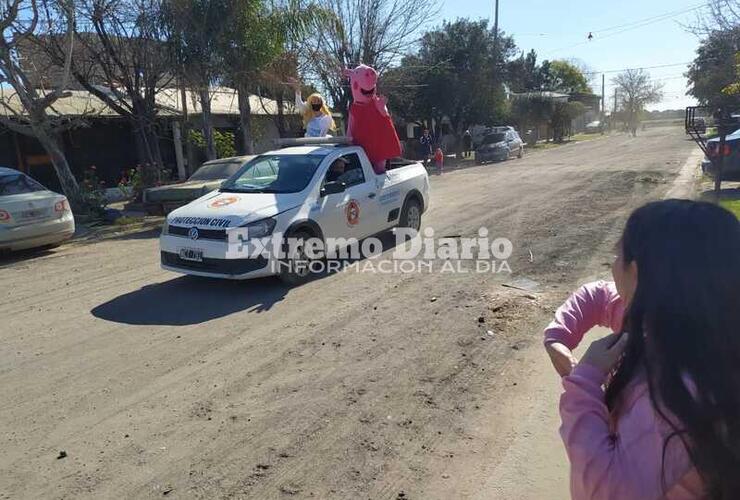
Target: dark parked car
(731, 153)
(499, 146)
(210, 175)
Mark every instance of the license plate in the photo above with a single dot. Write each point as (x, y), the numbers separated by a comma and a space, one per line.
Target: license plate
(33, 213)
(191, 254)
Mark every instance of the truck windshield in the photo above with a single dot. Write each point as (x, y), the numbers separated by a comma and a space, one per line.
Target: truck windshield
(274, 174)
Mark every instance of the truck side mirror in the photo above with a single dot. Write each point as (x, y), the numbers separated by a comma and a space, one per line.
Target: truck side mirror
(333, 187)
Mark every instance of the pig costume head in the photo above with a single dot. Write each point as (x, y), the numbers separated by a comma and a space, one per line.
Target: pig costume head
(370, 125)
(363, 81)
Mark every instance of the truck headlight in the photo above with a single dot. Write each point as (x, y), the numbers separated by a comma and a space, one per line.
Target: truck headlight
(261, 228)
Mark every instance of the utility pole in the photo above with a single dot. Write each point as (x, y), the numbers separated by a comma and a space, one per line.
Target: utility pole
(603, 102)
(495, 29)
(495, 41)
(613, 117)
(495, 45)
(615, 101)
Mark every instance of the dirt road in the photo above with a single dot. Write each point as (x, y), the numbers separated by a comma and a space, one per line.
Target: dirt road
(351, 386)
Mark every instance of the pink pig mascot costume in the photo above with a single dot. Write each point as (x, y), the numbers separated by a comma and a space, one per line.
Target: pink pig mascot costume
(370, 124)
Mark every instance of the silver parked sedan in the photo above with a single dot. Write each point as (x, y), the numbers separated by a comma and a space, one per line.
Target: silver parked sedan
(31, 215)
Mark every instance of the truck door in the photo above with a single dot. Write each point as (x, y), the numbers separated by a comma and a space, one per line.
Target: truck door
(355, 212)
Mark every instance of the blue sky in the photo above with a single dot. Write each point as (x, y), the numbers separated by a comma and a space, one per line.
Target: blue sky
(627, 34)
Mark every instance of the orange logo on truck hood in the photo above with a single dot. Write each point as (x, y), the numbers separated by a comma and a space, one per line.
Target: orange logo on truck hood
(222, 202)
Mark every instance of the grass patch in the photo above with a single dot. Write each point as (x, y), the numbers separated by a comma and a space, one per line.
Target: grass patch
(127, 220)
(540, 146)
(731, 205)
(585, 137)
(574, 138)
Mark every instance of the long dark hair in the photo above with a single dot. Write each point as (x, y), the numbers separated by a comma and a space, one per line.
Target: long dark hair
(684, 325)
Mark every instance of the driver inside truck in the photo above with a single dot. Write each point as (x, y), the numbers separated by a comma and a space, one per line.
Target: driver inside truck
(336, 170)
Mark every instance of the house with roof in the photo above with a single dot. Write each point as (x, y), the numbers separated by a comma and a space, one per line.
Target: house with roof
(106, 140)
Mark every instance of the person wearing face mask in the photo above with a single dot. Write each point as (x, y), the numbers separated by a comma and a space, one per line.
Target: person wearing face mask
(317, 119)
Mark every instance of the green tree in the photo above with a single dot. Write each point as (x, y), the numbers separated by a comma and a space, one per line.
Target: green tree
(714, 69)
(531, 111)
(563, 76)
(249, 41)
(255, 37)
(562, 116)
(733, 89)
(401, 84)
(461, 74)
(195, 30)
(524, 74)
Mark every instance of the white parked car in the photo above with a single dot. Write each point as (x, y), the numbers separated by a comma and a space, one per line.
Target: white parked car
(323, 191)
(31, 215)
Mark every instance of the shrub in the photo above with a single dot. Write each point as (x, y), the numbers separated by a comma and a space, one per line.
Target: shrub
(92, 194)
(224, 142)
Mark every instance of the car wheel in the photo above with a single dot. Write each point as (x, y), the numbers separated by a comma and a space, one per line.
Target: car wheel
(411, 215)
(295, 269)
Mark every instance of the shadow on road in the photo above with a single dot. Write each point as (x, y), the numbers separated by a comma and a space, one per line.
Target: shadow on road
(140, 235)
(190, 300)
(22, 256)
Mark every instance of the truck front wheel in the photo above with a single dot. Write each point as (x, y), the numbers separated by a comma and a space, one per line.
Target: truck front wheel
(295, 268)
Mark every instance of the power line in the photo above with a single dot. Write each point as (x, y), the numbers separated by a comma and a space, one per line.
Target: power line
(636, 69)
(629, 27)
(659, 17)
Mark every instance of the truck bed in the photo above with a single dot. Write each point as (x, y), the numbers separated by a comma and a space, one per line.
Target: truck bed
(398, 163)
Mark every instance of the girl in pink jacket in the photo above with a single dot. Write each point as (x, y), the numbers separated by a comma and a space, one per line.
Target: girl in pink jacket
(654, 411)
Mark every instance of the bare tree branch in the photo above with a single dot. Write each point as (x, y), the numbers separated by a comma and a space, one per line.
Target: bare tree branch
(27, 109)
(373, 32)
(636, 90)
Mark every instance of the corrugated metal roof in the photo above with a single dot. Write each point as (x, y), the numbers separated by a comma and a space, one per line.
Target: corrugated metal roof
(224, 101)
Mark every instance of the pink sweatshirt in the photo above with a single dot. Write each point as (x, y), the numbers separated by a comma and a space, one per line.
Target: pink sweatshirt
(616, 455)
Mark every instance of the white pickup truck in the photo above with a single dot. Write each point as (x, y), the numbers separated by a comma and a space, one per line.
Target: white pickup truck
(320, 188)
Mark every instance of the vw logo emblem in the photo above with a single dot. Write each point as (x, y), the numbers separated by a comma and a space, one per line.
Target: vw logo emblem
(193, 233)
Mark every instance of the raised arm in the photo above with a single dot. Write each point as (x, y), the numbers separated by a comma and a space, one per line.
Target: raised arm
(592, 304)
(299, 104)
(382, 104)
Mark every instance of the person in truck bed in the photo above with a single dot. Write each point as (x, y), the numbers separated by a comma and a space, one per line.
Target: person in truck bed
(317, 119)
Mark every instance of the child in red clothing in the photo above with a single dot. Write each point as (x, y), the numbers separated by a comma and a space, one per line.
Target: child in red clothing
(439, 159)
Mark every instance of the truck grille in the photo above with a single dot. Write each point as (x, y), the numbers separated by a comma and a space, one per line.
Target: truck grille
(203, 234)
(218, 266)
